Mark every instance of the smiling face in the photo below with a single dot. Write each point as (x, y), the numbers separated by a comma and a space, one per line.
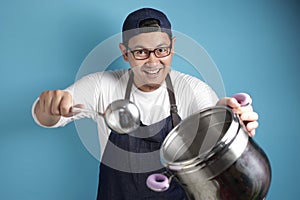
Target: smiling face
(149, 73)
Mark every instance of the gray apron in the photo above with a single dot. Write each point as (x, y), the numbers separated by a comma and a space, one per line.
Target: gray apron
(119, 185)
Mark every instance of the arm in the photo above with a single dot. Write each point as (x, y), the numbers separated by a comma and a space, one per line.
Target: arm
(53, 107)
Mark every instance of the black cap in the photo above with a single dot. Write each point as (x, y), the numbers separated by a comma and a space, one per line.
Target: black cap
(131, 25)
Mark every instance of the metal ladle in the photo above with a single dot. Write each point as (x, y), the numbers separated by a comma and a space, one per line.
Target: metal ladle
(122, 115)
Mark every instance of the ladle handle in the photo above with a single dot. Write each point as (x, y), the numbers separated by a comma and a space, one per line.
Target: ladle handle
(77, 109)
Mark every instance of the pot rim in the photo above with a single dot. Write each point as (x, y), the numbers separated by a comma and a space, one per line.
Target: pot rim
(199, 161)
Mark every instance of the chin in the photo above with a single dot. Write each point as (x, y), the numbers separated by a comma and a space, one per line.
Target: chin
(150, 81)
(150, 85)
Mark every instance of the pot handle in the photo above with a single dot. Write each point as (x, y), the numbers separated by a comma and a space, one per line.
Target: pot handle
(158, 182)
(243, 98)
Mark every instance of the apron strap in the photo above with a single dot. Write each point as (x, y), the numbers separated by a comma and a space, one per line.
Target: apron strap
(170, 89)
(173, 106)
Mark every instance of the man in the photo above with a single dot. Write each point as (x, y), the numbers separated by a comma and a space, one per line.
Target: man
(148, 46)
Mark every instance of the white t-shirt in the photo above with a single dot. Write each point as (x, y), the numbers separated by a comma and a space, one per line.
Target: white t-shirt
(96, 91)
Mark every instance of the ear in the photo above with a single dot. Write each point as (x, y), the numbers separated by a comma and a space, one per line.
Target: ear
(123, 51)
(173, 42)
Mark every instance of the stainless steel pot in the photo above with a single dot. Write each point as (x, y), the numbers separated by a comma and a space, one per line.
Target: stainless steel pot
(212, 156)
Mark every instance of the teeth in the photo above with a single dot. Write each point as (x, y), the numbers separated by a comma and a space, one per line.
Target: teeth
(152, 71)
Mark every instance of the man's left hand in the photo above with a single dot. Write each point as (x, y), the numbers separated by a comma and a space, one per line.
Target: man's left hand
(246, 113)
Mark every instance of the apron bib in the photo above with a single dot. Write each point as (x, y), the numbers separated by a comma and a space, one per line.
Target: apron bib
(121, 185)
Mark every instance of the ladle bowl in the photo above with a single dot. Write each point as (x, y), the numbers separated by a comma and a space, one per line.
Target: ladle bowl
(122, 115)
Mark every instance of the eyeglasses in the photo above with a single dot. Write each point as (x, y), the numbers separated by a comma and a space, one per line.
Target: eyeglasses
(143, 54)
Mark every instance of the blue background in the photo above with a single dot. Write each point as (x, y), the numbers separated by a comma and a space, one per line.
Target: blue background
(255, 45)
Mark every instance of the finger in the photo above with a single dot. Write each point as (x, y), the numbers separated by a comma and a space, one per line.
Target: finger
(46, 101)
(73, 109)
(65, 105)
(233, 103)
(252, 133)
(243, 109)
(252, 126)
(41, 104)
(55, 106)
(57, 98)
(249, 116)
(79, 106)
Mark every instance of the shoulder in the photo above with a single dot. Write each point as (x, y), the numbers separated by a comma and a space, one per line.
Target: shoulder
(180, 79)
(101, 83)
(110, 74)
(106, 77)
(191, 91)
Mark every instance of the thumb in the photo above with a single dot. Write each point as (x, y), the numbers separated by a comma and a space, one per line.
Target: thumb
(229, 101)
(72, 113)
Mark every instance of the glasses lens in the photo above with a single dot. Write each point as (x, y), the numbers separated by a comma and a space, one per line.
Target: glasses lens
(141, 54)
(162, 52)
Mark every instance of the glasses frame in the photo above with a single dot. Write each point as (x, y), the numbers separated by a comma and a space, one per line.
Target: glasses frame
(150, 51)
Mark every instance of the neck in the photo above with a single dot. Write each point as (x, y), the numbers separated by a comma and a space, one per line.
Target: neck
(148, 87)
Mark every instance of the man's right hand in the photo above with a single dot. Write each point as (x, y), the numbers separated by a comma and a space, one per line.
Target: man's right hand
(52, 105)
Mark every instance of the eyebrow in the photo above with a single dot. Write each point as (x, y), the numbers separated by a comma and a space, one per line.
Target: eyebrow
(143, 47)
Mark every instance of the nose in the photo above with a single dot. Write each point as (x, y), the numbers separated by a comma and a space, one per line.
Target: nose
(152, 58)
